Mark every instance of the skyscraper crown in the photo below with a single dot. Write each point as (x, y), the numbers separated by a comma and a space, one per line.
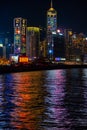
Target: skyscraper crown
(51, 8)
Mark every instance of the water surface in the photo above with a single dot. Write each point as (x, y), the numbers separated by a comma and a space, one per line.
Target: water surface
(44, 100)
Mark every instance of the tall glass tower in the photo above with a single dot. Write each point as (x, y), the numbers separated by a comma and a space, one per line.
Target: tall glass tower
(51, 29)
(51, 20)
(33, 42)
(20, 25)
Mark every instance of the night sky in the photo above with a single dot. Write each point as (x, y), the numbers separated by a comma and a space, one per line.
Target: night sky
(71, 13)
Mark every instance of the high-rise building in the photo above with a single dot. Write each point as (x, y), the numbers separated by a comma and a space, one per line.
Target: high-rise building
(59, 48)
(68, 40)
(5, 45)
(51, 29)
(20, 25)
(51, 20)
(33, 42)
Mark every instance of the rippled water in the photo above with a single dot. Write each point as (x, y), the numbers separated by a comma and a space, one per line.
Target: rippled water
(44, 100)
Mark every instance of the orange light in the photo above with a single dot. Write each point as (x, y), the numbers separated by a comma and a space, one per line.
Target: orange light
(17, 31)
(23, 59)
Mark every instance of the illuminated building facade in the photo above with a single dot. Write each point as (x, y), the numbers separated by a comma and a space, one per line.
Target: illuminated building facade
(51, 20)
(51, 29)
(33, 42)
(20, 25)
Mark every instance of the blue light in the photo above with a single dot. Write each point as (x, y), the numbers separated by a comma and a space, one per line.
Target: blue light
(57, 58)
(9, 44)
(50, 51)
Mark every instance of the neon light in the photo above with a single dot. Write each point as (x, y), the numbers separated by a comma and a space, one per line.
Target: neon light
(23, 59)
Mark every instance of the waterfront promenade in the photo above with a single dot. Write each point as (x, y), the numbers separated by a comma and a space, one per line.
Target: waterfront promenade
(25, 68)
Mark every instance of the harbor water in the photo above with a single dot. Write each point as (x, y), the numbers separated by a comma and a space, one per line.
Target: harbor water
(44, 100)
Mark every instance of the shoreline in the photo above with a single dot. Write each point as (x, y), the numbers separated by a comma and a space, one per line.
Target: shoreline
(28, 68)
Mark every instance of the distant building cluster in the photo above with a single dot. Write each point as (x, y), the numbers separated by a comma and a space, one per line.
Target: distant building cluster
(55, 45)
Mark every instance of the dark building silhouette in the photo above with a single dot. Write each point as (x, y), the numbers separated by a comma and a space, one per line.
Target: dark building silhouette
(59, 47)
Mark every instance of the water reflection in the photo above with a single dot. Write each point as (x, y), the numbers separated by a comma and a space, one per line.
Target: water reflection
(74, 98)
(29, 102)
(44, 100)
(56, 114)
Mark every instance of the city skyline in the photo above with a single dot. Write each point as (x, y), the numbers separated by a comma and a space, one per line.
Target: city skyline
(71, 14)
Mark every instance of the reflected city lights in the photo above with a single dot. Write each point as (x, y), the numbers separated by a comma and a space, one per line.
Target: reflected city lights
(43, 100)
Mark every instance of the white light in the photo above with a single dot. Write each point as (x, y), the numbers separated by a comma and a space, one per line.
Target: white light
(58, 31)
(53, 32)
(63, 58)
(14, 58)
(77, 59)
(1, 45)
(60, 34)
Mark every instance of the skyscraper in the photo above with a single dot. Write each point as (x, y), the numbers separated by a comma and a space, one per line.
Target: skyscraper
(51, 29)
(51, 20)
(20, 25)
(33, 42)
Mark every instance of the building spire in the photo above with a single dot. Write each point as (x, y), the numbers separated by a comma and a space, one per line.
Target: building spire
(51, 4)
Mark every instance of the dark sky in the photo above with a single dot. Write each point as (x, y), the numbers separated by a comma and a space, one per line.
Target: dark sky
(71, 13)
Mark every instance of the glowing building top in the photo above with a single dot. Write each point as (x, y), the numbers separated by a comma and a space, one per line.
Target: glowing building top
(51, 9)
(33, 42)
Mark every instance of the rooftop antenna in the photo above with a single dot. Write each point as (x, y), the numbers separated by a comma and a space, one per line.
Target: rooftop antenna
(51, 4)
